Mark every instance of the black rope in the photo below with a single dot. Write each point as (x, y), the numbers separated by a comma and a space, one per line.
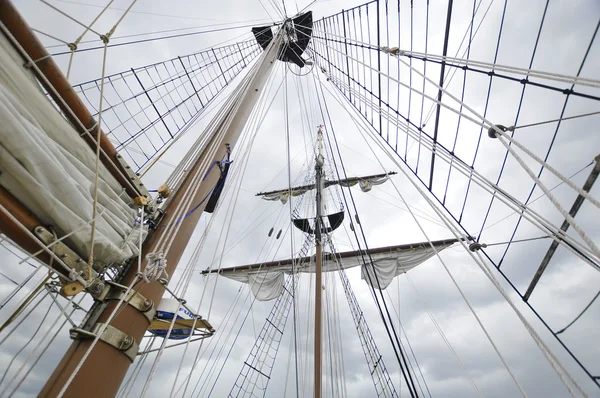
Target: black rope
(537, 40)
(458, 218)
(439, 96)
(462, 98)
(580, 314)
(487, 103)
(423, 86)
(553, 137)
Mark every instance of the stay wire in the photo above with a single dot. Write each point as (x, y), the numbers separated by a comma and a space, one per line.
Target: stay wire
(154, 39)
(539, 317)
(549, 150)
(479, 261)
(539, 33)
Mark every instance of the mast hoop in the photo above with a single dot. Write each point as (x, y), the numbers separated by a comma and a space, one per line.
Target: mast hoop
(111, 336)
(116, 291)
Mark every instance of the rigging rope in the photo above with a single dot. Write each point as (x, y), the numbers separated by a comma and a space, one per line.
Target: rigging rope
(97, 171)
(500, 356)
(391, 333)
(498, 193)
(154, 39)
(553, 361)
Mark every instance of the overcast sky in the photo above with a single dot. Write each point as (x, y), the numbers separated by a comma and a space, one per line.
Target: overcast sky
(565, 289)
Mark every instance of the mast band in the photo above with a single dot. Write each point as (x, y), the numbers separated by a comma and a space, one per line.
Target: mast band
(115, 291)
(111, 336)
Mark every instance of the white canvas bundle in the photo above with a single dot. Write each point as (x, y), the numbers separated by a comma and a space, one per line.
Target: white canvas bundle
(49, 168)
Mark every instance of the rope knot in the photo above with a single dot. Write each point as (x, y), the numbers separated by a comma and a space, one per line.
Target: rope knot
(74, 274)
(72, 46)
(156, 267)
(104, 38)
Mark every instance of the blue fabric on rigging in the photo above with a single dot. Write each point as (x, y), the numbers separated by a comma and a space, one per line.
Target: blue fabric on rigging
(215, 191)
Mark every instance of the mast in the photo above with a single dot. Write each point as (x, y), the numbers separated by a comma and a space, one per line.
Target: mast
(318, 261)
(105, 366)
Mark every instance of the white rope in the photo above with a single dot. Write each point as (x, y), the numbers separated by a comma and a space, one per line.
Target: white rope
(73, 46)
(5, 338)
(395, 52)
(202, 141)
(20, 350)
(96, 339)
(156, 267)
(462, 168)
(48, 35)
(500, 356)
(479, 120)
(68, 16)
(160, 352)
(443, 335)
(167, 238)
(125, 390)
(489, 338)
(219, 341)
(545, 350)
(47, 250)
(536, 219)
(196, 253)
(19, 286)
(60, 100)
(48, 345)
(554, 201)
(112, 30)
(97, 170)
(257, 120)
(62, 238)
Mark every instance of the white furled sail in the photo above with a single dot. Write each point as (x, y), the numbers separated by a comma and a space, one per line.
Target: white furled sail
(266, 280)
(365, 183)
(46, 165)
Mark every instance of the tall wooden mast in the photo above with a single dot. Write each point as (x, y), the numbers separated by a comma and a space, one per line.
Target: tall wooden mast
(105, 366)
(318, 262)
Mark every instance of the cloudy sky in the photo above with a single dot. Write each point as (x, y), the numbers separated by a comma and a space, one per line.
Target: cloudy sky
(564, 290)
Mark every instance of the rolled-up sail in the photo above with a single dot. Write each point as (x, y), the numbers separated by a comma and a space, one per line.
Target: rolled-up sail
(379, 266)
(50, 169)
(365, 183)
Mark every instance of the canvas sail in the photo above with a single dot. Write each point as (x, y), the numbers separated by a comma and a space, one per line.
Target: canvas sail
(51, 170)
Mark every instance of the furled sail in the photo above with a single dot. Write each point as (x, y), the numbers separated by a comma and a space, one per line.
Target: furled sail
(266, 280)
(51, 170)
(365, 183)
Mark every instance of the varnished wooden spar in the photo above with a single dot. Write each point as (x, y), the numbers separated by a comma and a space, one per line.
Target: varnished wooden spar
(319, 184)
(349, 254)
(26, 219)
(27, 39)
(104, 369)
